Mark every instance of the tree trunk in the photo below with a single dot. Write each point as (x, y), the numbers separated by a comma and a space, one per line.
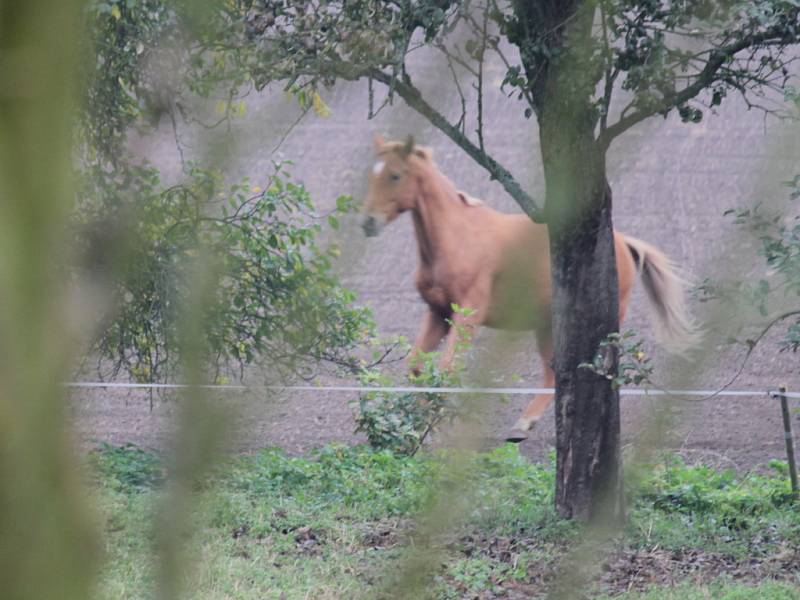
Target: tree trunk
(562, 80)
(585, 312)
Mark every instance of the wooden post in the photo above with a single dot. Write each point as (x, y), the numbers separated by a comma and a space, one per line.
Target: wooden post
(787, 436)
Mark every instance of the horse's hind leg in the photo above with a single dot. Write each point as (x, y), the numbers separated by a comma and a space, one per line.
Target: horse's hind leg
(534, 411)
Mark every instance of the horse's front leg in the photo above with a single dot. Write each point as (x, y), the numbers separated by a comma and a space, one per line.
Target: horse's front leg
(463, 326)
(434, 328)
(460, 330)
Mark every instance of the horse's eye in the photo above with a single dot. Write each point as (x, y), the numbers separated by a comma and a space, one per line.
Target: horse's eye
(394, 176)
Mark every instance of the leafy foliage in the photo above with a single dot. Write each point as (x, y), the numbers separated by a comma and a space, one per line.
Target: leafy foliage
(672, 56)
(655, 63)
(125, 67)
(127, 468)
(736, 47)
(275, 292)
(278, 41)
(371, 483)
(743, 515)
(375, 483)
(276, 298)
(701, 489)
(401, 422)
(634, 365)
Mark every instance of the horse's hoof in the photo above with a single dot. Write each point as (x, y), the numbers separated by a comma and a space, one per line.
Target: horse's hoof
(515, 436)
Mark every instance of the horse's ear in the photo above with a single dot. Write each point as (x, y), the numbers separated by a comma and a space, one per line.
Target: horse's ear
(424, 152)
(379, 142)
(408, 147)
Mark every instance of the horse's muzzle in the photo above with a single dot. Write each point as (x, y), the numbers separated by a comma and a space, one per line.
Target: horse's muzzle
(370, 226)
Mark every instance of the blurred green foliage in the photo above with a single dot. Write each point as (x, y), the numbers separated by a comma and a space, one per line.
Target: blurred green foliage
(47, 545)
(741, 515)
(127, 468)
(702, 489)
(124, 44)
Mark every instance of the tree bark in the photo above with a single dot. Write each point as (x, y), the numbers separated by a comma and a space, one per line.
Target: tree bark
(583, 262)
(585, 301)
(585, 312)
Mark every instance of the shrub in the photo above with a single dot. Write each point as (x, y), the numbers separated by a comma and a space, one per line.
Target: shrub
(401, 422)
(276, 299)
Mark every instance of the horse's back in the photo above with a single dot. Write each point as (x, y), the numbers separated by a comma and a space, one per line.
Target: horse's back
(522, 289)
(521, 281)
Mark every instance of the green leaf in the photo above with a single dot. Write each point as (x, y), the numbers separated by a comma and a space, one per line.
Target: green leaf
(344, 203)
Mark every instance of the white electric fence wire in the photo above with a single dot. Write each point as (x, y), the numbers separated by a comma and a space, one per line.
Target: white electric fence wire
(505, 391)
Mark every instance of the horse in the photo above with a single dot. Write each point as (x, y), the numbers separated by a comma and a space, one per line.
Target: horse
(497, 265)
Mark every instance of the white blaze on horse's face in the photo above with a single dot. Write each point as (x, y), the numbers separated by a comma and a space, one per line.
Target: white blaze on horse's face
(391, 189)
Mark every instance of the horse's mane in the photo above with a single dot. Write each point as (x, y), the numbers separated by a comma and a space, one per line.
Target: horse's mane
(469, 200)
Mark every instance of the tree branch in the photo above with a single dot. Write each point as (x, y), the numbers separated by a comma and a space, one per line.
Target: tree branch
(751, 345)
(717, 58)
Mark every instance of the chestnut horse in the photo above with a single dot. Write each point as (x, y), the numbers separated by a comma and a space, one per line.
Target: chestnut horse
(496, 264)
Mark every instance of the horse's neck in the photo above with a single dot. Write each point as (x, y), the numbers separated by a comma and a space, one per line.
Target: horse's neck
(436, 216)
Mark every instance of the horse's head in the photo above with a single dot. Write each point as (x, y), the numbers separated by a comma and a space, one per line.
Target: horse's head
(393, 189)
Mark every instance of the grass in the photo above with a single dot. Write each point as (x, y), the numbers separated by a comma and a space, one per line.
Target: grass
(719, 590)
(743, 517)
(341, 524)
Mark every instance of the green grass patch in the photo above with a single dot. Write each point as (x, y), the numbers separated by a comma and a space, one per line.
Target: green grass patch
(342, 522)
(738, 515)
(127, 468)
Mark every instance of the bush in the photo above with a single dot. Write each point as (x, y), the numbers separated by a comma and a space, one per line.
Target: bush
(275, 298)
(401, 422)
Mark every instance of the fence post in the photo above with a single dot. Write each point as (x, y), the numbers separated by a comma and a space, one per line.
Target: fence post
(787, 436)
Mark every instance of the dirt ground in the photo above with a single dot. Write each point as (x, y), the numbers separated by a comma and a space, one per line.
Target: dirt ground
(672, 183)
(738, 433)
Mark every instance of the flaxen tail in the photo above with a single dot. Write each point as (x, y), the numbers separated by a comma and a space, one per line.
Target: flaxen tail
(675, 327)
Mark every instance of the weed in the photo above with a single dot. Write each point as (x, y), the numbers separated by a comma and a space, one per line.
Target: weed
(336, 478)
(128, 468)
(472, 576)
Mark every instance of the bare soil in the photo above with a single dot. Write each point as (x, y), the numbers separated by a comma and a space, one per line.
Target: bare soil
(738, 433)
